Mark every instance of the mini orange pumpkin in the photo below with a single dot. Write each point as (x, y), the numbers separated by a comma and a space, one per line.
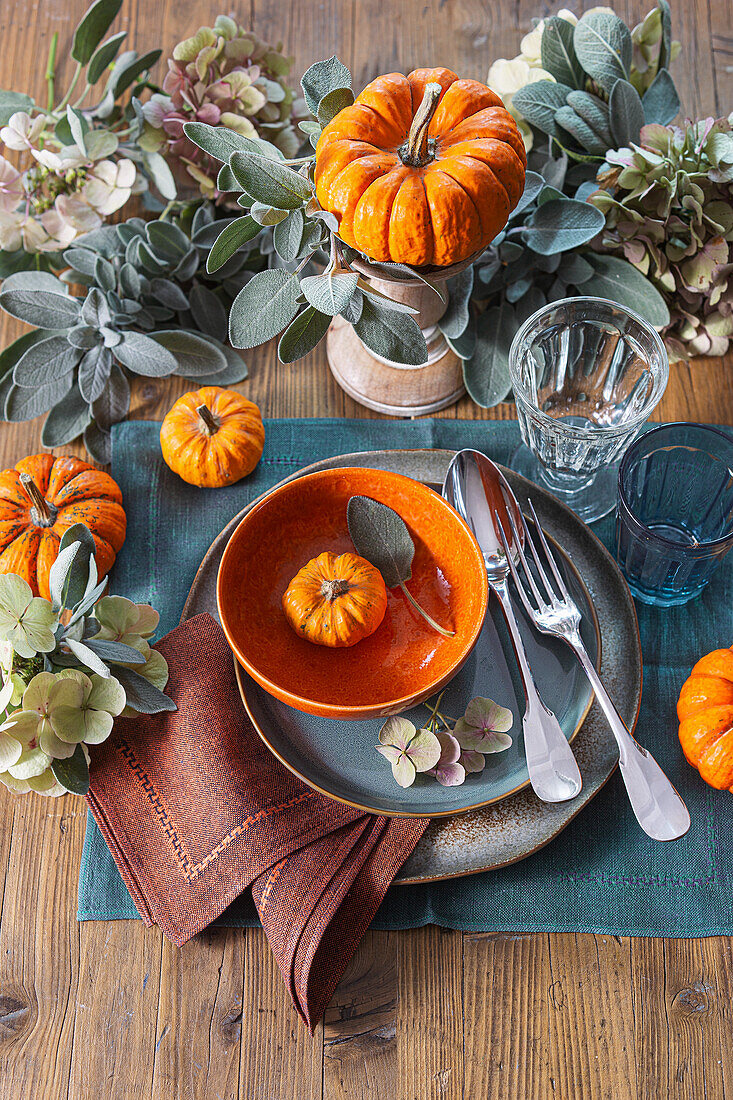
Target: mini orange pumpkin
(336, 600)
(421, 169)
(212, 437)
(705, 711)
(43, 495)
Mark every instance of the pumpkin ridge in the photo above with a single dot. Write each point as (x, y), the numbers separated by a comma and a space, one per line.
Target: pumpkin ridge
(381, 120)
(439, 171)
(412, 181)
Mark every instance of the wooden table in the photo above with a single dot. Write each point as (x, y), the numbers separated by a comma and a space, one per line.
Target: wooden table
(110, 1011)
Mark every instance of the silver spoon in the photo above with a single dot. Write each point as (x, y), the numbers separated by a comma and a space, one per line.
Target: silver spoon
(477, 490)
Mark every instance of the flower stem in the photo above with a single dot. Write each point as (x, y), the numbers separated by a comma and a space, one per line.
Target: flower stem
(72, 87)
(51, 70)
(78, 102)
(423, 612)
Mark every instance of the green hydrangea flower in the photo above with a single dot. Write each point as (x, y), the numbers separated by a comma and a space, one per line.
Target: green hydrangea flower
(26, 621)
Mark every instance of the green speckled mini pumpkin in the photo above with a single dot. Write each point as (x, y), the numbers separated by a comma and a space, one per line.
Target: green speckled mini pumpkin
(43, 495)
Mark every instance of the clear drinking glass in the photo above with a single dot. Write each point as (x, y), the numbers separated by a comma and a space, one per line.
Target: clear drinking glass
(674, 520)
(586, 374)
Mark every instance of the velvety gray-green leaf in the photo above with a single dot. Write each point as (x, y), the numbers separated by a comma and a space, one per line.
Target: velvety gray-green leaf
(332, 103)
(98, 442)
(393, 335)
(539, 102)
(619, 281)
(46, 361)
(208, 311)
(73, 773)
(115, 652)
(267, 215)
(14, 352)
(288, 234)
(562, 224)
(127, 71)
(168, 294)
(661, 102)
(66, 420)
(321, 78)
(92, 28)
(143, 696)
(486, 373)
(104, 55)
(94, 372)
(11, 103)
(263, 308)
(21, 296)
(302, 334)
(595, 112)
(626, 113)
(579, 129)
(270, 182)
(194, 354)
(25, 404)
(235, 370)
(143, 355)
(533, 184)
(156, 167)
(329, 293)
(603, 47)
(231, 238)
(381, 536)
(464, 345)
(114, 404)
(454, 320)
(95, 311)
(558, 52)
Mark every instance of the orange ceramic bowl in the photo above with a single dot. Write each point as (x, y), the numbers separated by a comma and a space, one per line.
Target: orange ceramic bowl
(405, 661)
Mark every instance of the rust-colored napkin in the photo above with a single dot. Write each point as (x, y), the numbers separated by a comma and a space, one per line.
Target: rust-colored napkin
(195, 809)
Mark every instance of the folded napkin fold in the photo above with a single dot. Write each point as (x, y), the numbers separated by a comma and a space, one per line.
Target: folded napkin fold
(195, 809)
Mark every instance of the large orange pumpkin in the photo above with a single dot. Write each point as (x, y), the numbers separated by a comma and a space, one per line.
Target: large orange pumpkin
(421, 169)
(212, 437)
(705, 711)
(43, 495)
(336, 600)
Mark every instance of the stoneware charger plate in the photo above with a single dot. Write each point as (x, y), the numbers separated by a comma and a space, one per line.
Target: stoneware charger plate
(518, 824)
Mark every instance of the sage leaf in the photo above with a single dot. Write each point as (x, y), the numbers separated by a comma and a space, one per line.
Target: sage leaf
(99, 443)
(88, 657)
(486, 373)
(46, 361)
(104, 274)
(66, 420)
(143, 696)
(95, 311)
(661, 102)
(596, 113)
(169, 294)
(25, 404)
(143, 355)
(454, 320)
(235, 370)
(381, 536)
(603, 47)
(103, 56)
(267, 215)
(558, 52)
(393, 335)
(167, 239)
(11, 102)
(621, 282)
(220, 142)
(287, 236)
(464, 345)
(330, 293)
(115, 652)
(333, 103)
(539, 102)
(81, 569)
(533, 184)
(73, 773)
(533, 300)
(40, 299)
(578, 128)
(208, 311)
(92, 28)
(626, 113)
(59, 572)
(114, 403)
(562, 224)
(94, 372)
(14, 352)
(302, 334)
(665, 46)
(81, 259)
(263, 308)
(270, 182)
(354, 306)
(321, 78)
(194, 354)
(230, 240)
(156, 167)
(127, 70)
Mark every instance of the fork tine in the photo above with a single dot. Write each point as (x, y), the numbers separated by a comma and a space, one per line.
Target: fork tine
(550, 556)
(531, 611)
(542, 603)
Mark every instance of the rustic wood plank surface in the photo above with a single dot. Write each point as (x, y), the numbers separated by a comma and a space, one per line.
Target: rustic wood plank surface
(111, 1010)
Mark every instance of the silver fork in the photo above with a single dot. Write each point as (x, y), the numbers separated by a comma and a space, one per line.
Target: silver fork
(658, 807)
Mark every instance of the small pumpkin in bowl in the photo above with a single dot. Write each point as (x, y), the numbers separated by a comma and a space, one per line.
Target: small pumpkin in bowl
(336, 600)
(40, 497)
(212, 437)
(705, 711)
(421, 169)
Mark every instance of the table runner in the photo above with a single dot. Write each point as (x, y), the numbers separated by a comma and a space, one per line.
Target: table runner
(602, 874)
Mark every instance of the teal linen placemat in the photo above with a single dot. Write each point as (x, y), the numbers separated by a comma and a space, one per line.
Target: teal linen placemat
(602, 874)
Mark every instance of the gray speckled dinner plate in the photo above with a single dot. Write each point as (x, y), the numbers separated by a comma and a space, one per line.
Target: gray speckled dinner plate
(516, 823)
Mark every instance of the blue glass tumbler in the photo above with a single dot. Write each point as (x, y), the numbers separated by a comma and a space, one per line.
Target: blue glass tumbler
(674, 518)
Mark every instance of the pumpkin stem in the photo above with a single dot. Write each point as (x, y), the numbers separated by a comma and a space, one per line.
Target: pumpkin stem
(332, 589)
(43, 514)
(417, 151)
(207, 418)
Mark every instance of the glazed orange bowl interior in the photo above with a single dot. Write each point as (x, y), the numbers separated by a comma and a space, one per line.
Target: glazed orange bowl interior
(404, 661)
